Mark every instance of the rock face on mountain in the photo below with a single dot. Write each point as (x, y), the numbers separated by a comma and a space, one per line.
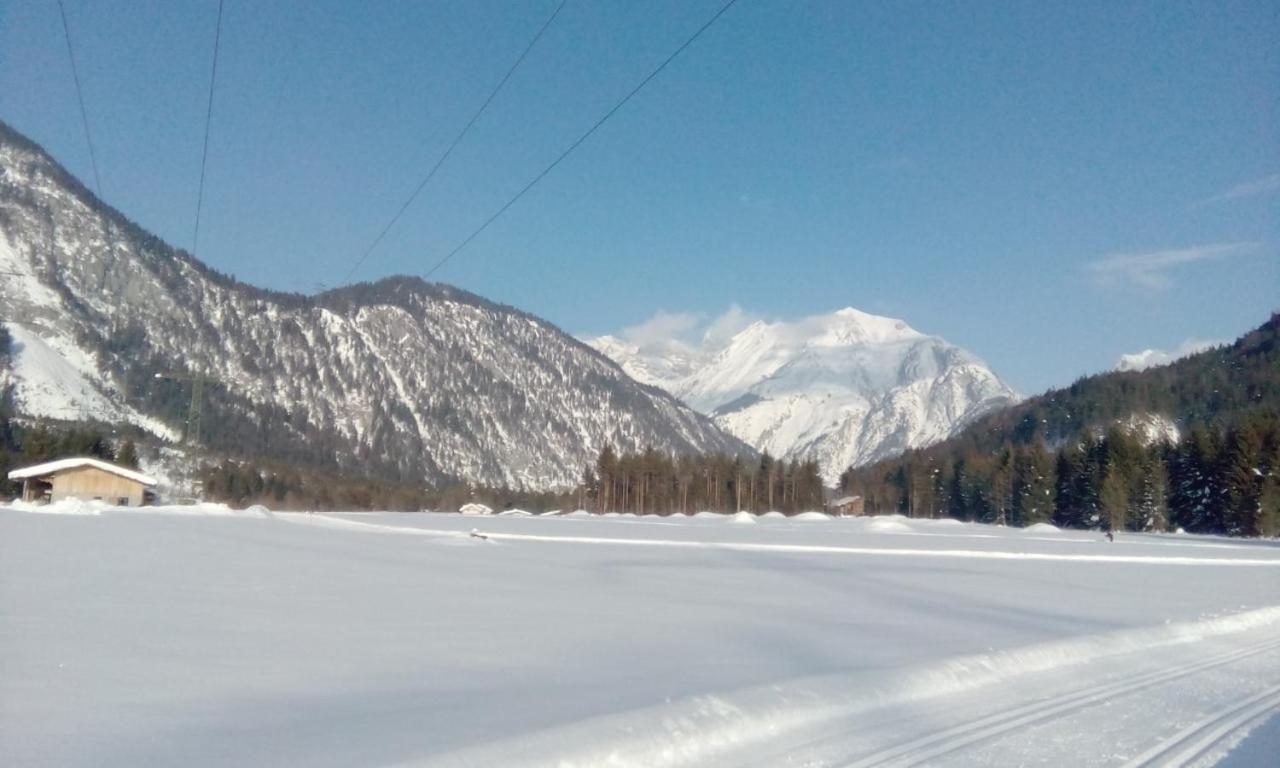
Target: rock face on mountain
(845, 388)
(402, 378)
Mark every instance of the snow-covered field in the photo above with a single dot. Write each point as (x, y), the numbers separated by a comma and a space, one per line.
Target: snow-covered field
(196, 636)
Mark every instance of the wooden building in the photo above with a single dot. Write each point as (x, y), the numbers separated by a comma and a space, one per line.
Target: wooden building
(86, 479)
(846, 506)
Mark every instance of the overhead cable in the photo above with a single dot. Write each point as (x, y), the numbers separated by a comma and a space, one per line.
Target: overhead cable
(453, 144)
(568, 151)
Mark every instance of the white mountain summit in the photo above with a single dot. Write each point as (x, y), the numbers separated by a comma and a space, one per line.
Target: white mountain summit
(845, 388)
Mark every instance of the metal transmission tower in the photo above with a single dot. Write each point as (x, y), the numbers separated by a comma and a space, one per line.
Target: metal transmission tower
(195, 413)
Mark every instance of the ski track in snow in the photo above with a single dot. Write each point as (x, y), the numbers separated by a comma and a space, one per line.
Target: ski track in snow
(938, 745)
(803, 548)
(817, 723)
(1195, 742)
(588, 641)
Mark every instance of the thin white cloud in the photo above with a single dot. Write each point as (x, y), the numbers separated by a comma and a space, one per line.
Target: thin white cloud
(1149, 358)
(689, 330)
(726, 326)
(1264, 186)
(755, 202)
(1150, 270)
(662, 327)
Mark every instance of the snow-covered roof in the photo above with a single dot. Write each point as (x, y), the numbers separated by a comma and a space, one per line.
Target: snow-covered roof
(840, 502)
(51, 467)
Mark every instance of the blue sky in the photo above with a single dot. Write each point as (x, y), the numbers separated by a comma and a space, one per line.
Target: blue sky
(1047, 184)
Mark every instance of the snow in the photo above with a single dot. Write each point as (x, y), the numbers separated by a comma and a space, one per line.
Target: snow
(843, 388)
(888, 525)
(50, 467)
(1042, 528)
(203, 635)
(475, 509)
(1151, 428)
(55, 378)
(811, 516)
(63, 507)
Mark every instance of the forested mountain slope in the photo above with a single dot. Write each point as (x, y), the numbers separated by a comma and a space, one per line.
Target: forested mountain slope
(401, 379)
(1087, 455)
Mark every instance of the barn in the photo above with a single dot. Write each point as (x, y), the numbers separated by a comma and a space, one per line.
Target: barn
(847, 506)
(84, 478)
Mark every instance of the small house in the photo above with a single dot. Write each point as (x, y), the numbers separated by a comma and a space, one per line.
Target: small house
(846, 506)
(86, 479)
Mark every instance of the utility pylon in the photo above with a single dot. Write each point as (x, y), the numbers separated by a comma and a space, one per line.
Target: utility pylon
(196, 411)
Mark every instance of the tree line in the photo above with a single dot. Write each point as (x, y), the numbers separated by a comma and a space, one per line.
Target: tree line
(1211, 481)
(644, 482)
(654, 482)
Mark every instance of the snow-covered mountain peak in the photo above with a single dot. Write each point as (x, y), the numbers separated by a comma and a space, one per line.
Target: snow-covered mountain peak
(852, 326)
(845, 387)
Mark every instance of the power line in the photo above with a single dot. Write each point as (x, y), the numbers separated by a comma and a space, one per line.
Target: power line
(580, 140)
(208, 119)
(456, 140)
(84, 116)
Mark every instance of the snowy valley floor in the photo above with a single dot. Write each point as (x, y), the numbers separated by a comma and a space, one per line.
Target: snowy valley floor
(193, 636)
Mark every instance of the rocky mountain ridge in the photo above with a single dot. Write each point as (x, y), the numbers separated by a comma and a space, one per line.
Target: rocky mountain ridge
(401, 378)
(845, 388)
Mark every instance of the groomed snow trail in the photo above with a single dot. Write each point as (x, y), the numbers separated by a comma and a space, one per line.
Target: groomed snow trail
(937, 747)
(203, 636)
(1199, 740)
(911, 716)
(817, 549)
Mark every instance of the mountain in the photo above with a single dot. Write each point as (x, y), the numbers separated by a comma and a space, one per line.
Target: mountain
(401, 379)
(845, 388)
(1194, 444)
(1210, 389)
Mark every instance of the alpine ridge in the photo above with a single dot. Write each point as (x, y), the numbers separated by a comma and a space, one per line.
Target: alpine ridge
(401, 378)
(845, 388)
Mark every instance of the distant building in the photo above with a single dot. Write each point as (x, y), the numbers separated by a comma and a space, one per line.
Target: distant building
(86, 479)
(846, 506)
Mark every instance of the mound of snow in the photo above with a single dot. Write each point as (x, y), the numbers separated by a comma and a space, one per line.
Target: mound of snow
(707, 513)
(553, 512)
(811, 516)
(1043, 528)
(257, 510)
(947, 521)
(475, 509)
(773, 513)
(63, 507)
(579, 513)
(515, 513)
(743, 518)
(888, 525)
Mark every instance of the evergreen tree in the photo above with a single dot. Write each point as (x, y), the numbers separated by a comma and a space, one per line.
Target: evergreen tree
(956, 502)
(1193, 501)
(1241, 483)
(1067, 510)
(606, 470)
(128, 455)
(1032, 487)
(1149, 505)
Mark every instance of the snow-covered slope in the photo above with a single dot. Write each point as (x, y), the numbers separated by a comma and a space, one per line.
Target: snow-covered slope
(53, 377)
(844, 388)
(403, 378)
